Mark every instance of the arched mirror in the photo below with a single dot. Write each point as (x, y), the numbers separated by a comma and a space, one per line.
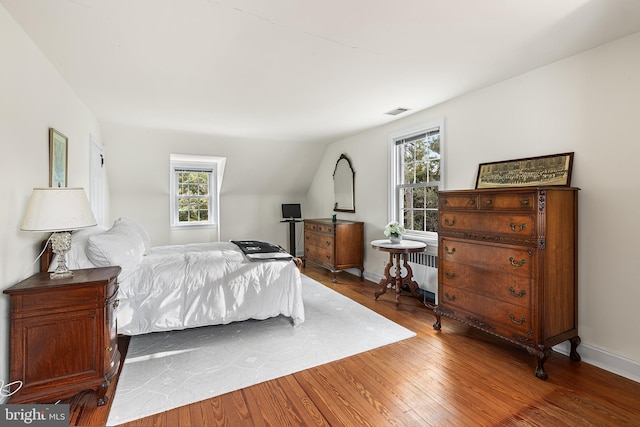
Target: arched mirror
(343, 183)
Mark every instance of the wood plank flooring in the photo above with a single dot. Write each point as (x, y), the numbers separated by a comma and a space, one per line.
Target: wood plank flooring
(457, 376)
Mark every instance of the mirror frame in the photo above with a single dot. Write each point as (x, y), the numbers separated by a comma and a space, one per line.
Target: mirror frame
(336, 208)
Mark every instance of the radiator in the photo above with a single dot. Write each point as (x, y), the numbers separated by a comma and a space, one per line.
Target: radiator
(423, 258)
(425, 273)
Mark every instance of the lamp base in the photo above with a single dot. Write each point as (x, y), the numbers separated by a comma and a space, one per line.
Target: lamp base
(61, 243)
(62, 275)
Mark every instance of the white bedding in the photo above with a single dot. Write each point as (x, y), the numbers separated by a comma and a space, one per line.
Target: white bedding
(185, 286)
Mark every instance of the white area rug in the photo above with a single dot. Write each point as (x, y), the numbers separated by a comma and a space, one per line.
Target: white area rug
(171, 369)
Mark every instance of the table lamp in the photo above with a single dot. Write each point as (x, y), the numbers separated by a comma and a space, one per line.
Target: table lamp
(58, 210)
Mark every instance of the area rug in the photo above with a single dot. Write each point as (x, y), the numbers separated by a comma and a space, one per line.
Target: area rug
(166, 370)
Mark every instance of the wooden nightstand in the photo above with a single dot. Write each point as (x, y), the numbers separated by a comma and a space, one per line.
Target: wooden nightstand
(63, 335)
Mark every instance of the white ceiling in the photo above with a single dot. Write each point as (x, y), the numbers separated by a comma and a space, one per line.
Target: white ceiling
(301, 71)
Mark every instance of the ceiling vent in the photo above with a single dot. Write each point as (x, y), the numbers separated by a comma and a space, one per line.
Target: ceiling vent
(397, 111)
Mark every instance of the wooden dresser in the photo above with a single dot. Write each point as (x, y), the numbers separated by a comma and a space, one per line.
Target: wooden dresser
(63, 335)
(507, 264)
(335, 246)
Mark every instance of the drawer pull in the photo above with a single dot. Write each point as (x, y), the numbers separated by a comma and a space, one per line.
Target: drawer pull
(517, 322)
(328, 242)
(517, 295)
(116, 303)
(109, 348)
(450, 275)
(450, 298)
(488, 202)
(472, 201)
(519, 229)
(450, 252)
(516, 264)
(524, 202)
(449, 223)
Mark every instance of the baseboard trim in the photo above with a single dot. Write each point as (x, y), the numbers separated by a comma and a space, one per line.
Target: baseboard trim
(604, 359)
(615, 363)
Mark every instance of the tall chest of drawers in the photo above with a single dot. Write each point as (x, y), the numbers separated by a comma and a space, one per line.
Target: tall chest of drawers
(507, 264)
(334, 245)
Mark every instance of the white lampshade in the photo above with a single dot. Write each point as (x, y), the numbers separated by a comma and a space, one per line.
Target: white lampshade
(58, 209)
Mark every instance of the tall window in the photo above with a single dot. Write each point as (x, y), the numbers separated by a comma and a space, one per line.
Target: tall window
(193, 191)
(416, 176)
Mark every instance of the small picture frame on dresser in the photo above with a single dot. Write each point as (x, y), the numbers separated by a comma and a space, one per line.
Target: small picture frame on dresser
(554, 169)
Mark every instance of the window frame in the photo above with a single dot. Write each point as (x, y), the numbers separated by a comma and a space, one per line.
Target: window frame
(396, 172)
(198, 164)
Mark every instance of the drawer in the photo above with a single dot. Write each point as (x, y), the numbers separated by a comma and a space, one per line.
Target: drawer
(497, 316)
(69, 298)
(513, 225)
(511, 201)
(318, 255)
(319, 227)
(319, 239)
(458, 201)
(507, 259)
(509, 288)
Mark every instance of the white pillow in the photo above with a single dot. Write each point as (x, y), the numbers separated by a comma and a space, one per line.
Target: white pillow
(121, 245)
(144, 235)
(77, 256)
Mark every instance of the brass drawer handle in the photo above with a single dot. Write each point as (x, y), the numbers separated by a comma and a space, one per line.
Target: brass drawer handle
(516, 264)
(450, 298)
(524, 202)
(450, 275)
(116, 303)
(472, 201)
(449, 223)
(488, 202)
(109, 348)
(519, 229)
(517, 322)
(450, 252)
(517, 295)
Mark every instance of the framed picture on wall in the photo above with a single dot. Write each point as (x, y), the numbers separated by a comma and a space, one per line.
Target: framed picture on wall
(554, 169)
(58, 150)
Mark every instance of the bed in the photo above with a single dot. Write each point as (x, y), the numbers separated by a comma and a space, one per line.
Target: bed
(176, 287)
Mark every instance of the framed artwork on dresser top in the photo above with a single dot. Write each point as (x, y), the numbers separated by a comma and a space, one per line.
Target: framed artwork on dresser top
(554, 169)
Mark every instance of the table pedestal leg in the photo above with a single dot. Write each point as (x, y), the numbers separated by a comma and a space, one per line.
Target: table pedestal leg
(388, 280)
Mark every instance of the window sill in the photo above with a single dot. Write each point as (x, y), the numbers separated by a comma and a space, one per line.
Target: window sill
(186, 226)
(431, 242)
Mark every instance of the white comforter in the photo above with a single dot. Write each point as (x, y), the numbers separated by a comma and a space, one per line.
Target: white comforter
(185, 286)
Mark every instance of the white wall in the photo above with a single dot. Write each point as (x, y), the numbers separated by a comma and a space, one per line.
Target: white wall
(588, 104)
(255, 183)
(33, 98)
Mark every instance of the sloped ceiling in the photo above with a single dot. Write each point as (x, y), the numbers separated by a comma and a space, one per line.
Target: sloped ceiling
(301, 71)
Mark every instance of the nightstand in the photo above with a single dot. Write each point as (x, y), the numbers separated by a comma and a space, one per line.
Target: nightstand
(63, 335)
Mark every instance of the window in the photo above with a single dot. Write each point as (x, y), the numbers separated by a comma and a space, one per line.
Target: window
(194, 190)
(415, 177)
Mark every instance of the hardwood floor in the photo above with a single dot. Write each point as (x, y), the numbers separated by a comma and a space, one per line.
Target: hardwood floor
(457, 376)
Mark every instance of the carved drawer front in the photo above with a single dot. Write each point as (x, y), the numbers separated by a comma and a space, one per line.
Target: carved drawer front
(319, 240)
(501, 316)
(516, 225)
(319, 255)
(36, 303)
(513, 201)
(509, 288)
(459, 201)
(505, 258)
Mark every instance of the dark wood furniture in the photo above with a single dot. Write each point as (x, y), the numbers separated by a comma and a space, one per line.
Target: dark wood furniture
(335, 246)
(63, 337)
(398, 252)
(507, 264)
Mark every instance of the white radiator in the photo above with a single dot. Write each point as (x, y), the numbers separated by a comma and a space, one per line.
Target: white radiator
(425, 272)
